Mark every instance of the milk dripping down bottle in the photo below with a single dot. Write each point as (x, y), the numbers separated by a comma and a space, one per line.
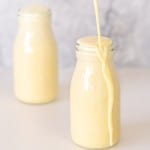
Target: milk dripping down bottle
(35, 57)
(95, 97)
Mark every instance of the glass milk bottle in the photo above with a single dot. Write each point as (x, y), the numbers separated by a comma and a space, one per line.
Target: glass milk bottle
(95, 115)
(35, 57)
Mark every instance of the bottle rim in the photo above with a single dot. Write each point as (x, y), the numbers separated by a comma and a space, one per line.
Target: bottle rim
(82, 47)
(23, 13)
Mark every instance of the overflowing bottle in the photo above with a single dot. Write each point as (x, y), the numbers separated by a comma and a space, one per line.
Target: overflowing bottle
(95, 114)
(95, 93)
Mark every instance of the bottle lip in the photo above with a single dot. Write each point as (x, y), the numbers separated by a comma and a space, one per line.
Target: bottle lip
(34, 11)
(89, 44)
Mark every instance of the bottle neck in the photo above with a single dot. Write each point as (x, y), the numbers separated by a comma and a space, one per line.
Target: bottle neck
(93, 58)
(34, 24)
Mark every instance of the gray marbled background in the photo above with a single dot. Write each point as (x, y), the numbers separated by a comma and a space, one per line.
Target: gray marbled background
(127, 22)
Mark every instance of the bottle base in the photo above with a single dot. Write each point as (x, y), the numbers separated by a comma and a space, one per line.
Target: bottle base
(100, 148)
(39, 102)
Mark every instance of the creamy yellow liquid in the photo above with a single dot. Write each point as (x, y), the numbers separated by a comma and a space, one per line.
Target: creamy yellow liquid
(103, 55)
(90, 103)
(95, 115)
(35, 57)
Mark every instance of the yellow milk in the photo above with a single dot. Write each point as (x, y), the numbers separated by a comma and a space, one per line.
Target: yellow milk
(95, 105)
(35, 57)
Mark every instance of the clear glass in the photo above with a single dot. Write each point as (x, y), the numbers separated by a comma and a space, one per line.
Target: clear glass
(35, 60)
(90, 104)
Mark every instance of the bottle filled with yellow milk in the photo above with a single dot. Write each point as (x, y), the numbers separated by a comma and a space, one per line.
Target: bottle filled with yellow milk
(95, 106)
(35, 57)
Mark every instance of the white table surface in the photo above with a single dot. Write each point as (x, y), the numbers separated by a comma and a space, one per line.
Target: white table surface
(47, 127)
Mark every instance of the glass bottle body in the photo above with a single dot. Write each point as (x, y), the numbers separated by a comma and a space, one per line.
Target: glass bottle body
(35, 61)
(90, 105)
